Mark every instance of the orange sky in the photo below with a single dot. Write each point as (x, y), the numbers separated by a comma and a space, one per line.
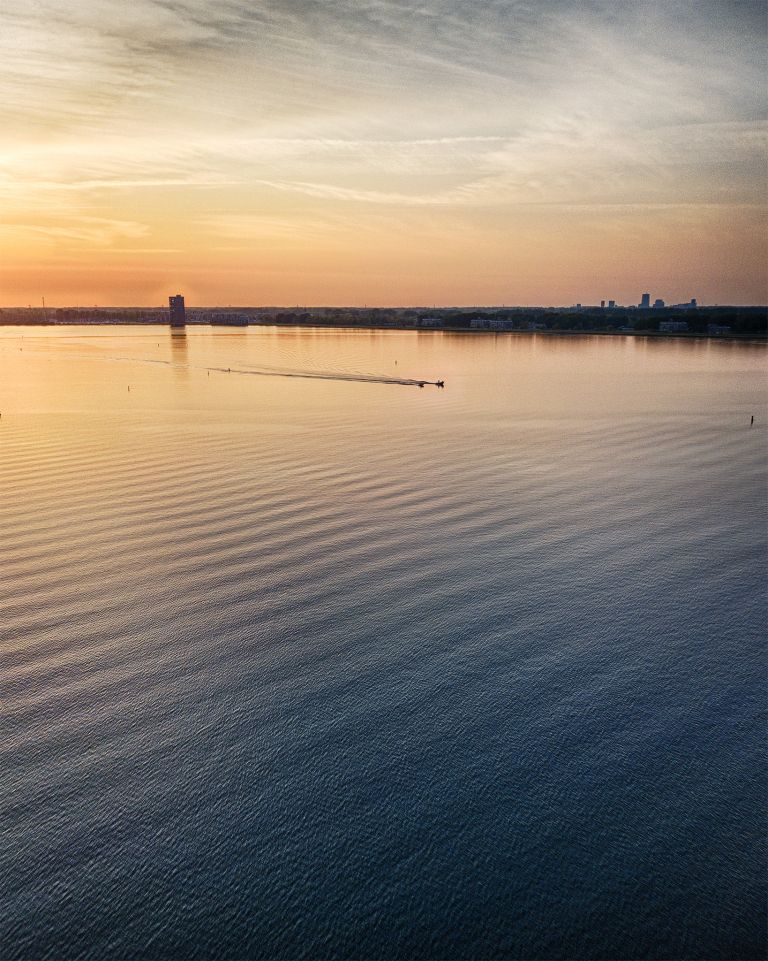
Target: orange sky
(376, 152)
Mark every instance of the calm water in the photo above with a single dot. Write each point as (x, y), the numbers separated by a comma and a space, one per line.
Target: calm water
(314, 668)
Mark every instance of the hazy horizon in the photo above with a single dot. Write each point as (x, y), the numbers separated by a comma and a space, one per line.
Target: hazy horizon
(382, 153)
(584, 305)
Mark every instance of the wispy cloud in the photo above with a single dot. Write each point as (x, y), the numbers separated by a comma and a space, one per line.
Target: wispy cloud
(97, 231)
(182, 113)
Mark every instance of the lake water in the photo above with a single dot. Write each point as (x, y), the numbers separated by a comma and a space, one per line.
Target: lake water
(315, 668)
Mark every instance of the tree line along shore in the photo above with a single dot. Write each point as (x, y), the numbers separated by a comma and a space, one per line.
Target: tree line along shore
(725, 321)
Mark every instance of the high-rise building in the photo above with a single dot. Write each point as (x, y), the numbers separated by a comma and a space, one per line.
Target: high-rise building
(658, 303)
(611, 305)
(602, 303)
(645, 300)
(177, 311)
(689, 305)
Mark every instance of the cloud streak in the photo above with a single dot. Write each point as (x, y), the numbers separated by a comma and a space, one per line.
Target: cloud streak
(184, 114)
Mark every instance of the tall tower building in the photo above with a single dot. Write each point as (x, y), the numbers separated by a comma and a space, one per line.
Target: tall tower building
(177, 311)
(645, 300)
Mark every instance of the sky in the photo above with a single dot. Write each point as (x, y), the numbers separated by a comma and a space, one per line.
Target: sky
(382, 152)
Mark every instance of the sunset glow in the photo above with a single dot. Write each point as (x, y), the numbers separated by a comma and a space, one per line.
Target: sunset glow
(380, 152)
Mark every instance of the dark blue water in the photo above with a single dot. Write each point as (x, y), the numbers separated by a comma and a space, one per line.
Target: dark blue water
(306, 669)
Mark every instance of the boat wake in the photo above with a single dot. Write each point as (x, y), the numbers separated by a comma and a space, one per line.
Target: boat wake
(317, 375)
(267, 371)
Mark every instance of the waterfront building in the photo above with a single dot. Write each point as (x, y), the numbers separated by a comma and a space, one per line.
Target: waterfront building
(176, 310)
(431, 322)
(229, 319)
(673, 326)
(485, 323)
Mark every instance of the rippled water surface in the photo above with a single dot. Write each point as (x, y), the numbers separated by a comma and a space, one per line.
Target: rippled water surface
(347, 668)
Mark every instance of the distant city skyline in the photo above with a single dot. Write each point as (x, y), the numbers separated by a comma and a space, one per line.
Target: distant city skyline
(382, 153)
(176, 305)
